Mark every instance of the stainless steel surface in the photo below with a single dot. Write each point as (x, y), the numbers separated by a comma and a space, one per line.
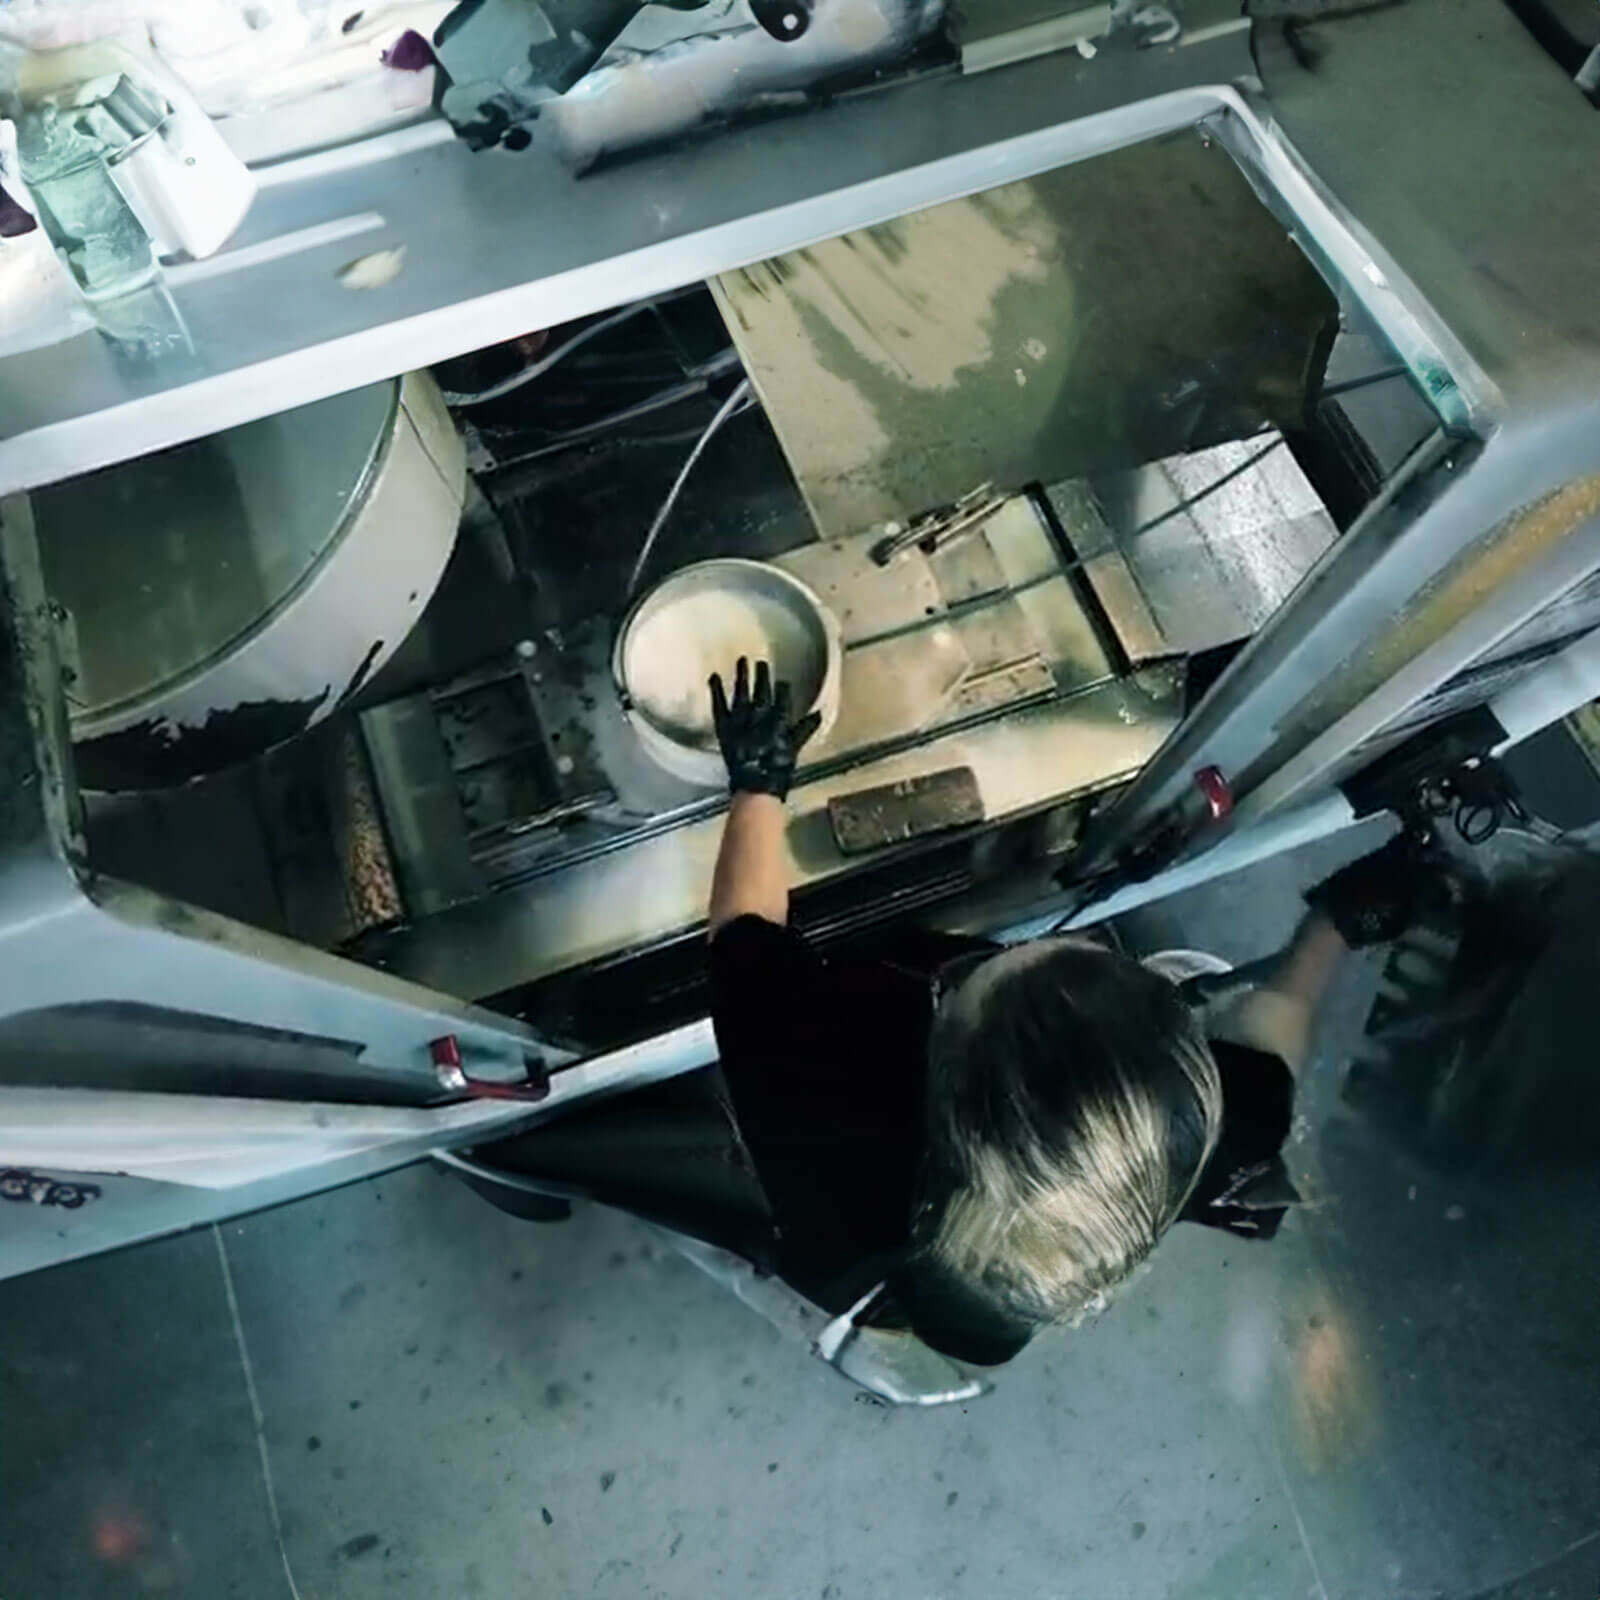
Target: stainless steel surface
(104, 982)
(163, 563)
(1214, 541)
(421, 804)
(936, 529)
(1126, 609)
(657, 887)
(1497, 524)
(1305, 645)
(983, 626)
(984, 621)
(984, 47)
(1567, 682)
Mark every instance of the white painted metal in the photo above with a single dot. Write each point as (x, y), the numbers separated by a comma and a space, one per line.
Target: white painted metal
(1550, 691)
(1288, 831)
(431, 198)
(354, 584)
(212, 1141)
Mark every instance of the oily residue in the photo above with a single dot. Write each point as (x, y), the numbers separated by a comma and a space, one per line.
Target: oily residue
(158, 752)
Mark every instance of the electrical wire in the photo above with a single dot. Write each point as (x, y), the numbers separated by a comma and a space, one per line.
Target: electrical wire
(538, 368)
(739, 398)
(1211, 488)
(695, 384)
(1332, 391)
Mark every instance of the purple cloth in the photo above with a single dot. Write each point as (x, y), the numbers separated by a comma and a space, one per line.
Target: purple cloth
(409, 53)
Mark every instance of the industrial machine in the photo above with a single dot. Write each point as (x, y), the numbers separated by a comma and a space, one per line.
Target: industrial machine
(1167, 425)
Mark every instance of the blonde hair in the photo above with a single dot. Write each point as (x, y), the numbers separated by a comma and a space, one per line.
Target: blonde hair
(1072, 1103)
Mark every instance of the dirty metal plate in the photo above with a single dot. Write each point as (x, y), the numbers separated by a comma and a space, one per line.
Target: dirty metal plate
(1135, 306)
(891, 813)
(894, 689)
(421, 805)
(1066, 635)
(330, 860)
(867, 601)
(1108, 571)
(1197, 550)
(1125, 607)
(1250, 508)
(1023, 544)
(996, 635)
(565, 699)
(985, 622)
(1003, 686)
(967, 569)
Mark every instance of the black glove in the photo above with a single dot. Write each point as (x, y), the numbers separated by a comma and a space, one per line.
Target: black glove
(1376, 898)
(758, 741)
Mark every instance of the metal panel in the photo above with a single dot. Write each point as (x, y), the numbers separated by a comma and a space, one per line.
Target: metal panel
(69, 937)
(223, 598)
(658, 886)
(271, 325)
(1472, 538)
(548, 246)
(1215, 540)
(131, 1209)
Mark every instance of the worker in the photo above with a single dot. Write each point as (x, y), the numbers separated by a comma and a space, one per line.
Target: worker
(976, 1142)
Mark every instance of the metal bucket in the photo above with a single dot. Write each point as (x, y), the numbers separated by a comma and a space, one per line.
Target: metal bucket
(700, 621)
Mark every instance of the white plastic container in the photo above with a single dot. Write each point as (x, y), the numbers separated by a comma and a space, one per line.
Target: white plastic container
(700, 621)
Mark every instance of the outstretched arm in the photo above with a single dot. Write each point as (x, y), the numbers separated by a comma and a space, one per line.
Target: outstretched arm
(1368, 902)
(752, 874)
(760, 745)
(1277, 1016)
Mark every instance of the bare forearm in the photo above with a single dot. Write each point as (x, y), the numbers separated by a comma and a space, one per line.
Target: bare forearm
(752, 871)
(1278, 1016)
(1311, 961)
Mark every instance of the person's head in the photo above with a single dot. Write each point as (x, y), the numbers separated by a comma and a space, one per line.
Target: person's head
(1072, 1101)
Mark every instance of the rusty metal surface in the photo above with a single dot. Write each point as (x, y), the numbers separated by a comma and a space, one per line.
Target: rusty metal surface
(895, 812)
(1499, 572)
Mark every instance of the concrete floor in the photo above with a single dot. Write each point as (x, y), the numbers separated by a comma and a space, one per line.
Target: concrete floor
(394, 1389)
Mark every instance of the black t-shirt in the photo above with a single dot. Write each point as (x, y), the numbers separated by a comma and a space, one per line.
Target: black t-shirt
(825, 1065)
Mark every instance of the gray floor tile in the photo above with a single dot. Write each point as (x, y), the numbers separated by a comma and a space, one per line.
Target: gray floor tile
(459, 1403)
(128, 1456)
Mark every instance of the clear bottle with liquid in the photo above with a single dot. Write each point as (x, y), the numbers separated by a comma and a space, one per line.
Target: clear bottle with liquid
(64, 154)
